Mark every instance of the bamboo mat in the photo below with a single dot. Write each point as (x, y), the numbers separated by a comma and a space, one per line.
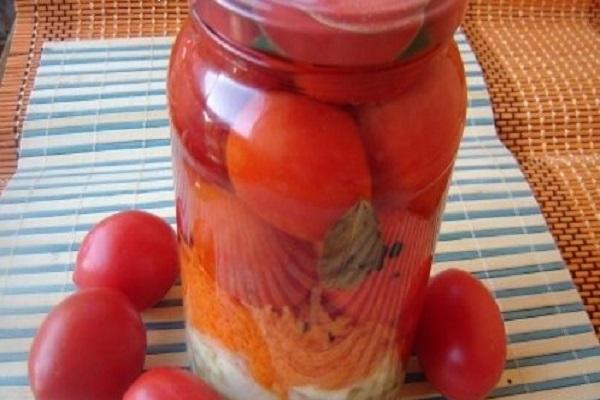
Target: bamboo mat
(540, 61)
(96, 140)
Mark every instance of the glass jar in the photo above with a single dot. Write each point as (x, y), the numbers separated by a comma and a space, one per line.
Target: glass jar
(313, 142)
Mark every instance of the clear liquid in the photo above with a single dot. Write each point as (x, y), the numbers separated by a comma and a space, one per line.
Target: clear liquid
(308, 205)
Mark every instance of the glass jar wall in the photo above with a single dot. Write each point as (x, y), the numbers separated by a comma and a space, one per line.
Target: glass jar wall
(313, 142)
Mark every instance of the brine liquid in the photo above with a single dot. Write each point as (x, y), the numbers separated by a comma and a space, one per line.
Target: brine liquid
(307, 211)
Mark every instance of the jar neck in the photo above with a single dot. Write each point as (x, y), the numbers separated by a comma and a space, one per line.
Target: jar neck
(336, 84)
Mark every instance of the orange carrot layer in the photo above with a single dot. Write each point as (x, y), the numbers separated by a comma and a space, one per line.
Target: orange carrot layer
(215, 314)
(320, 351)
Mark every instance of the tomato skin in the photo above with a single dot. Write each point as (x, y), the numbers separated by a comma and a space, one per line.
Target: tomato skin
(91, 346)
(208, 84)
(271, 268)
(357, 88)
(431, 200)
(191, 71)
(169, 384)
(297, 163)
(442, 17)
(132, 251)
(412, 140)
(337, 34)
(461, 341)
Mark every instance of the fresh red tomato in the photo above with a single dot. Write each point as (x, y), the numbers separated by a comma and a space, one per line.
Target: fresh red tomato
(131, 251)
(442, 17)
(170, 384)
(90, 346)
(412, 140)
(395, 291)
(250, 259)
(297, 163)
(337, 32)
(461, 342)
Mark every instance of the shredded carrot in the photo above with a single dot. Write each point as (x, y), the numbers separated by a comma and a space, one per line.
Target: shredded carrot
(321, 351)
(284, 350)
(215, 314)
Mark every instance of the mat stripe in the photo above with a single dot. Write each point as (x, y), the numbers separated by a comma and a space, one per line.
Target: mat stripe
(96, 140)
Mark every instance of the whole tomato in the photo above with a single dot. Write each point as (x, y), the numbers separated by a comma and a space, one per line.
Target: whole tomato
(90, 346)
(297, 163)
(461, 342)
(337, 32)
(132, 251)
(170, 384)
(412, 140)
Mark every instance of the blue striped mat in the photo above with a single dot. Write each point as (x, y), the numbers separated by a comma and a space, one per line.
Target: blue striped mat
(96, 140)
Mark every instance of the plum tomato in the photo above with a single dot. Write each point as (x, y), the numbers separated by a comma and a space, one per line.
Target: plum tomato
(90, 346)
(297, 163)
(170, 384)
(252, 261)
(412, 140)
(395, 290)
(132, 251)
(461, 342)
(442, 17)
(336, 32)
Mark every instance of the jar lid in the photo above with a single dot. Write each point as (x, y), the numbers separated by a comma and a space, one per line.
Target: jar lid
(333, 32)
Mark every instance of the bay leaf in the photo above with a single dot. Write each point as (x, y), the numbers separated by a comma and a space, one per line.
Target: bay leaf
(352, 249)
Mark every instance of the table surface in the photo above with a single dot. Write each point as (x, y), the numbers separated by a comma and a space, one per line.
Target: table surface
(96, 140)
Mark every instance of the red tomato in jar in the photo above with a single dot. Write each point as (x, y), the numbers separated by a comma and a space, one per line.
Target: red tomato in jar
(190, 70)
(90, 346)
(395, 291)
(430, 200)
(170, 384)
(362, 86)
(412, 140)
(336, 32)
(297, 163)
(208, 85)
(250, 260)
(461, 342)
(132, 251)
(442, 17)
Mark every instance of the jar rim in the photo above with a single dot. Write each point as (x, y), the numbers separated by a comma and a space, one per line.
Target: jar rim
(360, 11)
(333, 32)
